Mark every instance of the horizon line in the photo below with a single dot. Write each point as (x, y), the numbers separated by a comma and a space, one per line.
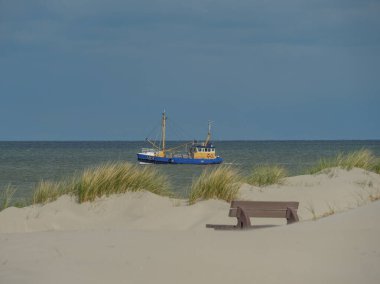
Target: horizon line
(183, 140)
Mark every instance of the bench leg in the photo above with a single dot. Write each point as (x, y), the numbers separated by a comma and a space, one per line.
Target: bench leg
(291, 215)
(243, 220)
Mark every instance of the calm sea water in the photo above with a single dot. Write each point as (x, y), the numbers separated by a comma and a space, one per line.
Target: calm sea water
(23, 164)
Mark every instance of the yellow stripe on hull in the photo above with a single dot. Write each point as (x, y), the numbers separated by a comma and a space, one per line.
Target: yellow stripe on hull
(204, 155)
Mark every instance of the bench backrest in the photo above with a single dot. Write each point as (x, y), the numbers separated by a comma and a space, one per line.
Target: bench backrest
(267, 209)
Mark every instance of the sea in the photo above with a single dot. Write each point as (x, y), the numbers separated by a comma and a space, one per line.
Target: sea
(24, 164)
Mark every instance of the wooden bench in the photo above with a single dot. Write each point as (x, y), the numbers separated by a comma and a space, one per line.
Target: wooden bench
(243, 210)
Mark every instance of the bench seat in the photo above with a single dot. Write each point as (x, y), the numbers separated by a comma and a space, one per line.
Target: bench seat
(244, 210)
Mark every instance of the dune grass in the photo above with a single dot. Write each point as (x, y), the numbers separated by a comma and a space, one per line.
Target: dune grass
(363, 159)
(6, 196)
(119, 178)
(375, 167)
(222, 183)
(266, 175)
(104, 180)
(48, 191)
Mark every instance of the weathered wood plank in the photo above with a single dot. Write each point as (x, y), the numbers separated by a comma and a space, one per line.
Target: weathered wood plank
(260, 213)
(264, 204)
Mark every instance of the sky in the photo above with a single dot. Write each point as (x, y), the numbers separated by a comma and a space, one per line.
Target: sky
(259, 69)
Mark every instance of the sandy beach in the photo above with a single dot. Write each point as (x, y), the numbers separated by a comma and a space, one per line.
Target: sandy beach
(144, 238)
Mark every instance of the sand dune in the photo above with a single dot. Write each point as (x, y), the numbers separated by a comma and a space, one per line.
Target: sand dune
(144, 238)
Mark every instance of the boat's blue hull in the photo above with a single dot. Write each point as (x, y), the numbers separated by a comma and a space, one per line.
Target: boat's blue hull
(177, 160)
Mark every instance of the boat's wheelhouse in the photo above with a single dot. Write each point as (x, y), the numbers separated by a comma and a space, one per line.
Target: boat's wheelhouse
(200, 151)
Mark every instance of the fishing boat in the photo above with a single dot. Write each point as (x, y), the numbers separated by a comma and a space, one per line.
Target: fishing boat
(197, 153)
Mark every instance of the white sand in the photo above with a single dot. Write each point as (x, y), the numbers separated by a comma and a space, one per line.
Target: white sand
(143, 238)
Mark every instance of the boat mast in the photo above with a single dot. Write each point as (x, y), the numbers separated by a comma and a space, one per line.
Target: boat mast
(208, 134)
(163, 124)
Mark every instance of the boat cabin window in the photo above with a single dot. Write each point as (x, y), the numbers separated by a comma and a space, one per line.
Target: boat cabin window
(201, 149)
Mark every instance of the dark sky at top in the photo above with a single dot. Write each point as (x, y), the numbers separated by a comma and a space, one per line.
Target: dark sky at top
(105, 70)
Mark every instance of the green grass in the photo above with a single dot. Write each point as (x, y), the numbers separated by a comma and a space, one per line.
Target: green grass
(222, 183)
(375, 167)
(119, 178)
(104, 180)
(6, 196)
(266, 175)
(48, 191)
(363, 159)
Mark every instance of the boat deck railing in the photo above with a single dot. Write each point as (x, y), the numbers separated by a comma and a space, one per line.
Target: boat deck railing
(181, 156)
(148, 150)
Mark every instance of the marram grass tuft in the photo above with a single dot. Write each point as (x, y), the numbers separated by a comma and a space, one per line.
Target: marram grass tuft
(104, 180)
(375, 167)
(222, 183)
(266, 175)
(363, 159)
(119, 178)
(48, 191)
(6, 196)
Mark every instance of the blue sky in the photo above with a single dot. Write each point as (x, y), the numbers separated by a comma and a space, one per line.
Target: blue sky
(105, 70)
